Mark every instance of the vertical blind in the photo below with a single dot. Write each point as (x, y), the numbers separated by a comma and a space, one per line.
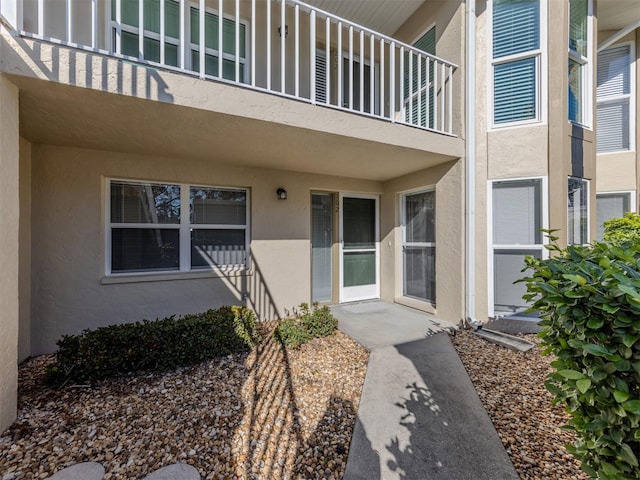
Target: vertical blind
(516, 30)
(614, 87)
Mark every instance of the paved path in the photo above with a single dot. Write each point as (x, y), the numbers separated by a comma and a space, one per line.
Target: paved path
(419, 416)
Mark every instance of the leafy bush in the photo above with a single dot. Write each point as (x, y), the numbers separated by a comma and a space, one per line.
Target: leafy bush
(589, 301)
(621, 230)
(309, 324)
(162, 344)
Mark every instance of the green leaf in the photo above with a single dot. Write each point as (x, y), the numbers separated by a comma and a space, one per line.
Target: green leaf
(597, 350)
(632, 406)
(620, 396)
(626, 453)
(629, 339)
(595, 323)
(571, 374)
(609, 469)
(575, 278)
(583, 385)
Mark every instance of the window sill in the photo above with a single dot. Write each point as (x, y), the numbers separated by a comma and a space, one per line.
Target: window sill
(172, 276)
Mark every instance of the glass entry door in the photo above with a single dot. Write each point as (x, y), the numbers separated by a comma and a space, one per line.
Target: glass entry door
(418, 246)
(321, 242)
(359, 241)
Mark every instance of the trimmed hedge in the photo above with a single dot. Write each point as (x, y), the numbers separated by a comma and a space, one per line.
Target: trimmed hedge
(163, 344)
(309, 324)
(589, 300)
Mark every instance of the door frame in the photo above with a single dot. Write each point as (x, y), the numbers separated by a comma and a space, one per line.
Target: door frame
(341, 295)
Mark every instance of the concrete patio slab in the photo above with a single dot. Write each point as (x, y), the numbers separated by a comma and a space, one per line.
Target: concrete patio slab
(376, 324)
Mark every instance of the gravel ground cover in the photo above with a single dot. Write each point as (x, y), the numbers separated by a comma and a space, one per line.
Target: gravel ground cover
(510, 385)
(270, 414)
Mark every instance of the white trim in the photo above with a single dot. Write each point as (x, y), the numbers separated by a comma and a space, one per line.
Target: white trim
(365, 292)
(585, 61)
(541, 71)
(404, 243)
(632, 198)
(588, 197)
(544, 197)
(184, 227)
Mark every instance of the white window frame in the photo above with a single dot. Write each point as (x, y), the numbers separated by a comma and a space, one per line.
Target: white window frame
(184, 226)
(632, 200)
(403, 218)
(194, 47)
(544, 194)
(540, 56)
(589, 207)
(630, 97)
(586, 64)
(376, 83)
(113, 32)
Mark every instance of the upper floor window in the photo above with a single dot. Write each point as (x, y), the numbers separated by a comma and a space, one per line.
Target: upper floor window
(130, 29)
(174, 227)
(614, 99)
(419, 83)
(516, 61)
(579, 61)
(127, 32)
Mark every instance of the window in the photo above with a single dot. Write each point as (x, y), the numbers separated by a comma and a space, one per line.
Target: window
(611, 205)
(419, 247)
(151, 229)
(578, 211)
(516, 61)
(614, 99)
(212, 49)
(130, 30)
(579, 91)
(518, 217)
(419, 82)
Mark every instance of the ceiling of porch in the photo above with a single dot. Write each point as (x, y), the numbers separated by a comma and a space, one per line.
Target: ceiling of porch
(384, 16)
(617, 14)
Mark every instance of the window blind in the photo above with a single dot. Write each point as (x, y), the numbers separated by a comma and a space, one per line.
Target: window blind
(514, 91)
(613, 126)
(610, 205)
(614, 71)
(321, 76)
(516, 26)
(517, 215)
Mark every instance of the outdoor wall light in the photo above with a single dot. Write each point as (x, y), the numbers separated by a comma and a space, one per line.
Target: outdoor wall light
(286, 31)
(282, 194)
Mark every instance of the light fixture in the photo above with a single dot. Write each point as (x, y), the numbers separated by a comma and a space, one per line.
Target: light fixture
(282, 194)
(286, 31)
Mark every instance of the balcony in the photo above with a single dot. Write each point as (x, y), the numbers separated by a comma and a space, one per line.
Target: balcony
(286, 48)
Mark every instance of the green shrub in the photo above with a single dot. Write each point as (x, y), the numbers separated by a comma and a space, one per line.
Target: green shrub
(308, 324)
(621, 230)
(589, 301)
(163, 344)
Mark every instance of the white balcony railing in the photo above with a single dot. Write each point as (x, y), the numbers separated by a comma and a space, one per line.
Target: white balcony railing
(287, 48)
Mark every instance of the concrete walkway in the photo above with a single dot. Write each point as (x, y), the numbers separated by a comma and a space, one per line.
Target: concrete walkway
(419, 416)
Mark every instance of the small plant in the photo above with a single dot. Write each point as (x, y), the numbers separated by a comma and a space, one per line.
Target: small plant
(160, 345)
(621, 230)
(589, 302)
(308, 324)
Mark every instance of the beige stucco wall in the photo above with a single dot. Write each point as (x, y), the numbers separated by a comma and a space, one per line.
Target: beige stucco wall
(69, 293)
(448, 182)
(24, 278)
(9, 252)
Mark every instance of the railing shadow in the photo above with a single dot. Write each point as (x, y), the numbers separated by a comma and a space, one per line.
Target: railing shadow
(87, 69)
